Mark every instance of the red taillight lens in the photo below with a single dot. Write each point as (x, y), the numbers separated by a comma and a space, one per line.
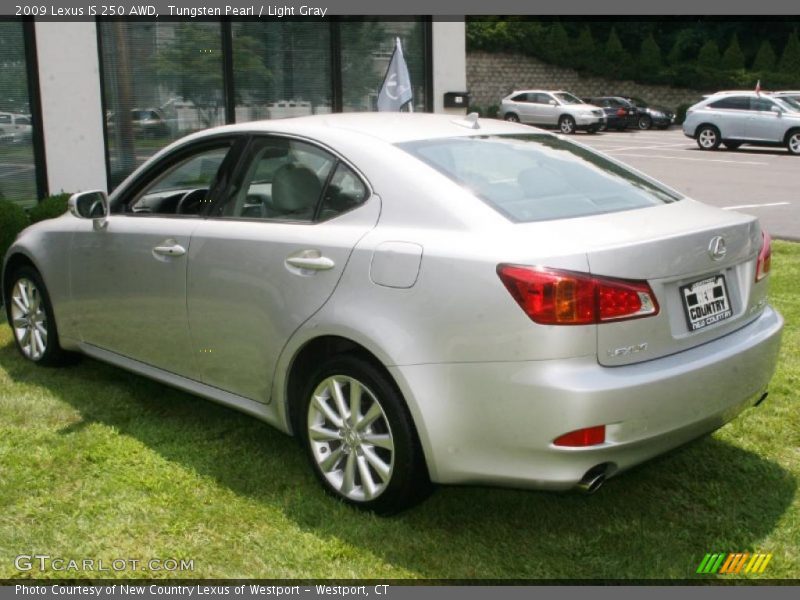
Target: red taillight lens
(764, 257)
(554, 297)
(621, 112)
(589, 436)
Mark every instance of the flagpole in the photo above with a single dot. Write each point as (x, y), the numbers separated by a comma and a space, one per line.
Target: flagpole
(399, 46)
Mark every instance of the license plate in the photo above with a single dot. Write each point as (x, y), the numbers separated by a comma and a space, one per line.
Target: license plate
(706, 302)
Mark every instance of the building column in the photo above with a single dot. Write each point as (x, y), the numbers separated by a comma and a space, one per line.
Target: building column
(72, 110)
(449, 62)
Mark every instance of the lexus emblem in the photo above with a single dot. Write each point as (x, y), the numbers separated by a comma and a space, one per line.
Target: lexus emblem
(716, 248)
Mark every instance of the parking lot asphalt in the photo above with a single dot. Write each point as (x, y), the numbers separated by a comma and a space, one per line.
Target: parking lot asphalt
(764, 182)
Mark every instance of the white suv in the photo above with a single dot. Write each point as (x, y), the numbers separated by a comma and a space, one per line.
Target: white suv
(552, 109)
(736, 118)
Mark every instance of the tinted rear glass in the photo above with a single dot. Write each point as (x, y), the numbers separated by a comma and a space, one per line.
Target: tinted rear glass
(732, 102)
(538, 177)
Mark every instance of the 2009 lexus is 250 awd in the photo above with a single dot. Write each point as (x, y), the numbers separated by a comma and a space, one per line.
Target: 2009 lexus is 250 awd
(419, 298)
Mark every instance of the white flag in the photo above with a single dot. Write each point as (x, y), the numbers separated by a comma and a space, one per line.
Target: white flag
(396, 88)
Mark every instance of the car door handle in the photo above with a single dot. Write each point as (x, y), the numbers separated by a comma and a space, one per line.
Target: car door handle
(311, 260)
(170, 250)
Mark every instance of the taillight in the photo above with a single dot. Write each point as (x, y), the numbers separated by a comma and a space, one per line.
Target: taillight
(621, 112)
(589, 436)
(555, 297)
(764, 256)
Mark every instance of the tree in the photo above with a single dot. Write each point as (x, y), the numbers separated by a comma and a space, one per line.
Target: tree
(733, 59)
(558, 49)
(790, 61)
(13, 80)
(650, 56)
(765, 58)
(584, 50)
(615, 55)
(709, 55)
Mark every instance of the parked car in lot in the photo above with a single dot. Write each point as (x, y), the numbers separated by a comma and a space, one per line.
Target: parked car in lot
(145, 122)
(15, 128)
(416, 297)
(620, 113)
(736, 118)
(552, 109)
(788, 96)
(651, 115)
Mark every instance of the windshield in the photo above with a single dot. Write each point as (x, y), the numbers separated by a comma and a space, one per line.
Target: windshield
(566, 98)
(538, 177)
(639, 102)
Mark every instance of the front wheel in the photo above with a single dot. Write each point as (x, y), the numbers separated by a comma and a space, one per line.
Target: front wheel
(793, 143)
(360, 438)
(31, 317)
(567, 125)
(708, 138)
(645, 122)
(512, 118)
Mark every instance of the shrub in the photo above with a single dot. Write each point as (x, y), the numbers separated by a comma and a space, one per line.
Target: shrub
(493, 111)
(49, 208)
(477, 109)
(680, 113)
(734, 57)
(13, 219)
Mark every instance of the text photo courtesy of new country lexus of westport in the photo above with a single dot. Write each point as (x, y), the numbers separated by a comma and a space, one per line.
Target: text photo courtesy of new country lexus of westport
(420, 299)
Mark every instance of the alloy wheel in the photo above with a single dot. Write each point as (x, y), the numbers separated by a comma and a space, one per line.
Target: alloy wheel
(707, 139)
(29, 319)
(567, 125)
(645, 122)
(794, 143)
(350, 438)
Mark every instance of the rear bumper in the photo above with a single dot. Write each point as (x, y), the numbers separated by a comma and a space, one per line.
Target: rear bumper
(494, 423)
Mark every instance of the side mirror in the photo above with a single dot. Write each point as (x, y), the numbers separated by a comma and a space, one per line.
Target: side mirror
(777, 110)
(90, 205)
(552, 102)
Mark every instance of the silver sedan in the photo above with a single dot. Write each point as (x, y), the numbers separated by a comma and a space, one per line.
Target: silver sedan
(418, 298)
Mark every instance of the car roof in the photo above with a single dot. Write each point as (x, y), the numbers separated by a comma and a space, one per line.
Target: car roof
(390, 127)
(540, 92)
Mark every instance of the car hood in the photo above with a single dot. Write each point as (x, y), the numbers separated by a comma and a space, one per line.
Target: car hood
(581, 107)
(663, 109)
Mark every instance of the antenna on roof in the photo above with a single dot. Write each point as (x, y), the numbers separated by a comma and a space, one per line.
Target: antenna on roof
(470, 121)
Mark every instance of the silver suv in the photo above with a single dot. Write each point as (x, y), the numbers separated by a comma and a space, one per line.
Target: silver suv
(552, 109)
(736, 118)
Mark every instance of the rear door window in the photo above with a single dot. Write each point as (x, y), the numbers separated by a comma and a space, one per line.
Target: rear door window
(732, 103)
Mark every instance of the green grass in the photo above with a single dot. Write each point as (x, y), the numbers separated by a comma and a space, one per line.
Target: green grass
(98, 463)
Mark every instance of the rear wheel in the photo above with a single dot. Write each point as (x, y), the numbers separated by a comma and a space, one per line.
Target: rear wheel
(511, 117)
(566, 124)
(360, 438)
(31, 317)
(708, 137)
(793, 143)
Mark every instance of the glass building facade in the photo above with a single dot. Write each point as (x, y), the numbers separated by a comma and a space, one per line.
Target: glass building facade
(163, 80)
(19, 175)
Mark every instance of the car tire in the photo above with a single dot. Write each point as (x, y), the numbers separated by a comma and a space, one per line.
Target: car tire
(32, 320)
(512, 117)
(645, 122)
(793, 142)
(566, 125)
(373, 461)
(592, 130)
(708, 137)
(732, 145)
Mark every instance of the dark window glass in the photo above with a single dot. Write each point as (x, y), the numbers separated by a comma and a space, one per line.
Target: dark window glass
(283, 180)
(520, 98)
(281, 69)
(732, 103)
(17, 164)
(345, 191)
(539, 177)
(162, 81)
(184, 187)
(761, 104)
(367, 47)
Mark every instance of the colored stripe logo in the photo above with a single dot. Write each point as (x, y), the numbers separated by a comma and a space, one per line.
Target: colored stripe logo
(733, 563)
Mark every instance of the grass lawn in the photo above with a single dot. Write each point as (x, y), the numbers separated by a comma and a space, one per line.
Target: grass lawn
(98, 463)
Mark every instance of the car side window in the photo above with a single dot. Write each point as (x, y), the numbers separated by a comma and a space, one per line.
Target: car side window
(520, 98)
(345, 191)
(280, 180)
(183, 188)
(761, 104)
(732, 103)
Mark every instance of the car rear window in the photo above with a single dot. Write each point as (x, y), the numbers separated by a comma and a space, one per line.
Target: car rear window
(539, 177)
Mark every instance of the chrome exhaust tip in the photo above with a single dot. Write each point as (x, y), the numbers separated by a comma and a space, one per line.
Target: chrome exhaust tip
(592, 480)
